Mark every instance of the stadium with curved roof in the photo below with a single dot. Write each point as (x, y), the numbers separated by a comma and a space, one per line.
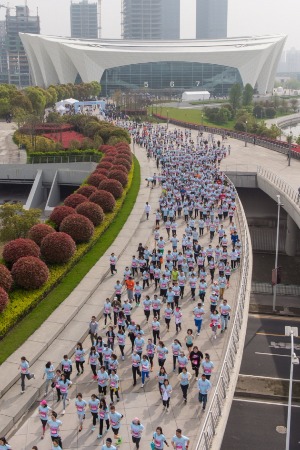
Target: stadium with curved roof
(183, 64)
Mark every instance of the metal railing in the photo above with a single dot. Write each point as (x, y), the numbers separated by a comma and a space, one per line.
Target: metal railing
(67, 159)
(214, 410)
(282, 185)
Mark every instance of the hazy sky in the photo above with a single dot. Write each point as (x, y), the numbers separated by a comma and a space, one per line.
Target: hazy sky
(246, 17)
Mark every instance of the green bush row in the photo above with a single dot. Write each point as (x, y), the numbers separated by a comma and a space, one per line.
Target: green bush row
(21, 301)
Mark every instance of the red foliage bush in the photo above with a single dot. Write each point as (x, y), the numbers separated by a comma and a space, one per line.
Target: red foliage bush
(65, 138)
(119, 175)
(122, 144)
(102, 171)
(111, 152)
(92, 211)
(112, 186)
(122, 162)
(95, 179)
(3, 299)
(107, 159)
(87, 191)
(80, 228)
(104, 165)
(39, 231)
(59, 213)
(6, 280)
(74, 200)
(30, 272)
(18, 248)
(119, 167)
(103, 148)
(58, 248)
(104, 199)
(124, 156)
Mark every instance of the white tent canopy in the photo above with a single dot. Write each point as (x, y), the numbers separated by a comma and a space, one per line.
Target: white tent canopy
(68, 101)
(195, 95)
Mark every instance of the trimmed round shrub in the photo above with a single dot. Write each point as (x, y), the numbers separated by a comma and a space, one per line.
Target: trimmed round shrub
(122, 145)
(104, 199)
(119, 175)
(123, 162)
(74, 200)
(3, 299)
(95, 179)
(112, 186)
(58, 248)
(111, 152)
(80, 228)
(102, 172)
(122, 168)
(92, 211)
(18, 248)
(60, 213)
(30, 272)
(104, 165)
(6, 279)
(87, 191)
(39, 231)
(123, 156)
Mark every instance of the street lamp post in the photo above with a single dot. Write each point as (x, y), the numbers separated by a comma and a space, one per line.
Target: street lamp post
(167, 118)
(290, 331)
(246, 134)
(276, 252)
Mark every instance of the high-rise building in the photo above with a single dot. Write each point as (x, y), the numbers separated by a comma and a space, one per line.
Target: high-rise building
(17, 62)
(211, 19)
(84, 19)
(3, 54)
(151, 19)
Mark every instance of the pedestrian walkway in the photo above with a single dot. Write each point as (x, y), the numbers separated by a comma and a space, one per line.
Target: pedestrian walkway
(87, 300)
(9, 151)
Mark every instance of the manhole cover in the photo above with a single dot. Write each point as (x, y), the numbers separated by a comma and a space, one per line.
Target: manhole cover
(281, 429)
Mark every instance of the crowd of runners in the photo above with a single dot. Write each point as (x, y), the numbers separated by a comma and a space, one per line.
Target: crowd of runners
(189, 260)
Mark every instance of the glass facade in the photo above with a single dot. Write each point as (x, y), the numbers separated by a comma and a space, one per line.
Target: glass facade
(171, 76)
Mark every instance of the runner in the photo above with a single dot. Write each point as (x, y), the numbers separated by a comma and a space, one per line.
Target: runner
(94, 405)
(179, 441)
(43, 412)
(80, 407)
(24, 370)
(115, 422)
(204, 386)
(54, 425)
(184, 378)
(166, 391)
(103, 416)
(136, 429)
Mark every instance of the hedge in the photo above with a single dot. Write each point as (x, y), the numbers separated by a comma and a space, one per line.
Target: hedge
(6, 280)
(104, 199)
(39, 231)
(64, 279)
(79, 227)
(74, 200)
(86, 190)
(30, 272)
(59, 213)
(112, 186)
(23, 302)
(92, 211)
(3, 299)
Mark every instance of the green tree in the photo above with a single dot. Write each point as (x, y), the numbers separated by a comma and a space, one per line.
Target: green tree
(16, 221)
(294, 104)
(248, 95)
(235, 96)
(37, 98)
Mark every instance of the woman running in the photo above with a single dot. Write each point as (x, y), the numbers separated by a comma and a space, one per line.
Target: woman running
(189, 339)
(176, 347)
(207, 366)
(103, 416)
(102, 378)
(94, 405)
(49, 372)
(145, 366)
(80, 407)
(166, 390)
(136, 429)
(184, 378)
(93, 360)
(114, 385)
(43, 412)
(79, 358)
(161, 377)
(24, 370)
(64, 384)
(196, 357)
(159, 439)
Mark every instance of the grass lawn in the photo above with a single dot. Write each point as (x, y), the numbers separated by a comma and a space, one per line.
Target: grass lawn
(18, 335)
(190, 115)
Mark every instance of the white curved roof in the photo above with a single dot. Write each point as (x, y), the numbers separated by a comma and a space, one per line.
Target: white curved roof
(56, 60)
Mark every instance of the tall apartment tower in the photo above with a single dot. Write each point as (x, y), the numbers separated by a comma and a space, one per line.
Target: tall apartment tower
(84, 19)
(211, 19)
(22, 22)
(151, 19)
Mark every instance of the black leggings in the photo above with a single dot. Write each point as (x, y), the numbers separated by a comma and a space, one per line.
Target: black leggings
(94, 370)
(102, 389)
(94, 416)
(112, 392)
(79, 365)
(136, 441)
(101, 425)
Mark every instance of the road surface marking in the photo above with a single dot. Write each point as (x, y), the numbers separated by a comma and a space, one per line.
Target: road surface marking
(263, 403)
(273, 334)
(272, 354)
(260, 376)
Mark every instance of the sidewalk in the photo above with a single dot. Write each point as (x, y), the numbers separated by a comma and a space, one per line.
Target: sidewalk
(88, 299)
(9, 151)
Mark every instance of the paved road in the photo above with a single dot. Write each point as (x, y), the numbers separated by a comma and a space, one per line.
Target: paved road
(267, 350)
(9, 152)
(252, 425)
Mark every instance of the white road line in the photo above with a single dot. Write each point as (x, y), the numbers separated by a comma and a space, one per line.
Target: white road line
(272, 354)
(263, 403)
(260, 376)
